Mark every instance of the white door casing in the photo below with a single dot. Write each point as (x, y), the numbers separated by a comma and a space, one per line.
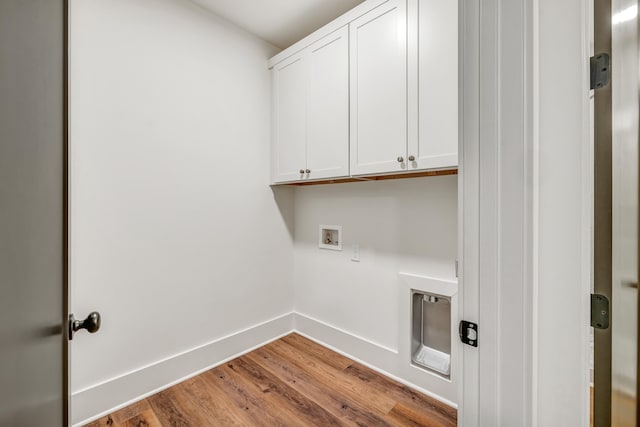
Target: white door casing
(525, 211)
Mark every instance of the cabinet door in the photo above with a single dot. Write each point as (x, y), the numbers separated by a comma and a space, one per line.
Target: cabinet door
(328, 106)
(379, 90)
(290, 122)
(433, 84)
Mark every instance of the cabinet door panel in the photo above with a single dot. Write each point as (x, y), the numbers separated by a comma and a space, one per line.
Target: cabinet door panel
(379, 89)
(435, 42)
(289, 139)
(328, 106)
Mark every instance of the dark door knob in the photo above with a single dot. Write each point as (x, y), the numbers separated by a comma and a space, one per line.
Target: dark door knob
(91, 324)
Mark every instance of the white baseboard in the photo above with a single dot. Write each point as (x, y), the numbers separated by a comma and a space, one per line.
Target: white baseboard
(373, 355)
(97, 401)
(101, 399)
(345, 342)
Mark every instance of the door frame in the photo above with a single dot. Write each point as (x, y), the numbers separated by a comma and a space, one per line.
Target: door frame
(605, 217)
(525, 207)
(602, 216)
(497, 203)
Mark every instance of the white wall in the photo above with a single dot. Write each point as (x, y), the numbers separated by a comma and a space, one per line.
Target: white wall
(401, 226)
(176, 237)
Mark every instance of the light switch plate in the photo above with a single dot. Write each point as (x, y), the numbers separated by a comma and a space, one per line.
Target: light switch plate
(355, 253)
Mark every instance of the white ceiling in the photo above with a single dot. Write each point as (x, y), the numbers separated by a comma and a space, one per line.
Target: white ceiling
(280, 22)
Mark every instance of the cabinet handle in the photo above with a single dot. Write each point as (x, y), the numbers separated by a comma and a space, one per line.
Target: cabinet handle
(412, 158)
(301, 170)
(308, 171)
(400, 159)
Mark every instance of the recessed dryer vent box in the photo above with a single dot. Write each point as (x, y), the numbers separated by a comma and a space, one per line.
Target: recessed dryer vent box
(330, 237)
(431, 332)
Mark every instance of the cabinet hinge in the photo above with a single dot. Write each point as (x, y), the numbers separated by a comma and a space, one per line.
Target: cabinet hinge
(468, 333)
(599, 311)
(600, 70)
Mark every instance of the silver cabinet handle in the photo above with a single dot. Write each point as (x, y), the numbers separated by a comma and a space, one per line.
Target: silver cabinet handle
(301, 170)
(412, 158)
(400, 159)
(308, 171)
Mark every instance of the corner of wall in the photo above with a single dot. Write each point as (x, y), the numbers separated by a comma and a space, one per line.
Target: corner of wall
(101, 399)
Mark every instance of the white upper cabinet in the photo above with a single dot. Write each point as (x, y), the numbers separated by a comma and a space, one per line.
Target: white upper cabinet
(328, 107)
(290, 119)
(374, 92)
(379, 90)
(433, 84)
(311, 117)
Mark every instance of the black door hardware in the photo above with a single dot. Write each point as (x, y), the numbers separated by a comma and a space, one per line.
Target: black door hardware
(468, 333)
(91, 324)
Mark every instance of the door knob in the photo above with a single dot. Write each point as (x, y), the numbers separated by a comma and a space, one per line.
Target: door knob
(412, 158)
(301, 171)
(400, 159)
(308, 171)
(91, 324)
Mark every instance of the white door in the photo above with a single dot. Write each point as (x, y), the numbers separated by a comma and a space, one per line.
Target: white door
(379, 90)
(433, 77)
(290, 121)
(34, 380)
(328, 106)
(624, 164)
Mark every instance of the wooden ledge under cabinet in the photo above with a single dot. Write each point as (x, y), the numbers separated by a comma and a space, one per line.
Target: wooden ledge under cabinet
(403, 175)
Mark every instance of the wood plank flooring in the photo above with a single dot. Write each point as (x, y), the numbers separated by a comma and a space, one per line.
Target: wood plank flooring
(290, 382)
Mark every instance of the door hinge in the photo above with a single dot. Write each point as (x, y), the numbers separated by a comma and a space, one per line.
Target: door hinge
(468, 333)
(599, 311)
(600, 70)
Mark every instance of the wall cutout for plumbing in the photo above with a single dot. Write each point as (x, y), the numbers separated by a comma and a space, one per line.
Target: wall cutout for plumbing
(427, 334)
(431, 332)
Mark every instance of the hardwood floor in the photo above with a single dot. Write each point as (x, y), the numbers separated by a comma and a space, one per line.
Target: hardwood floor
(623, 410)
(290, 382)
